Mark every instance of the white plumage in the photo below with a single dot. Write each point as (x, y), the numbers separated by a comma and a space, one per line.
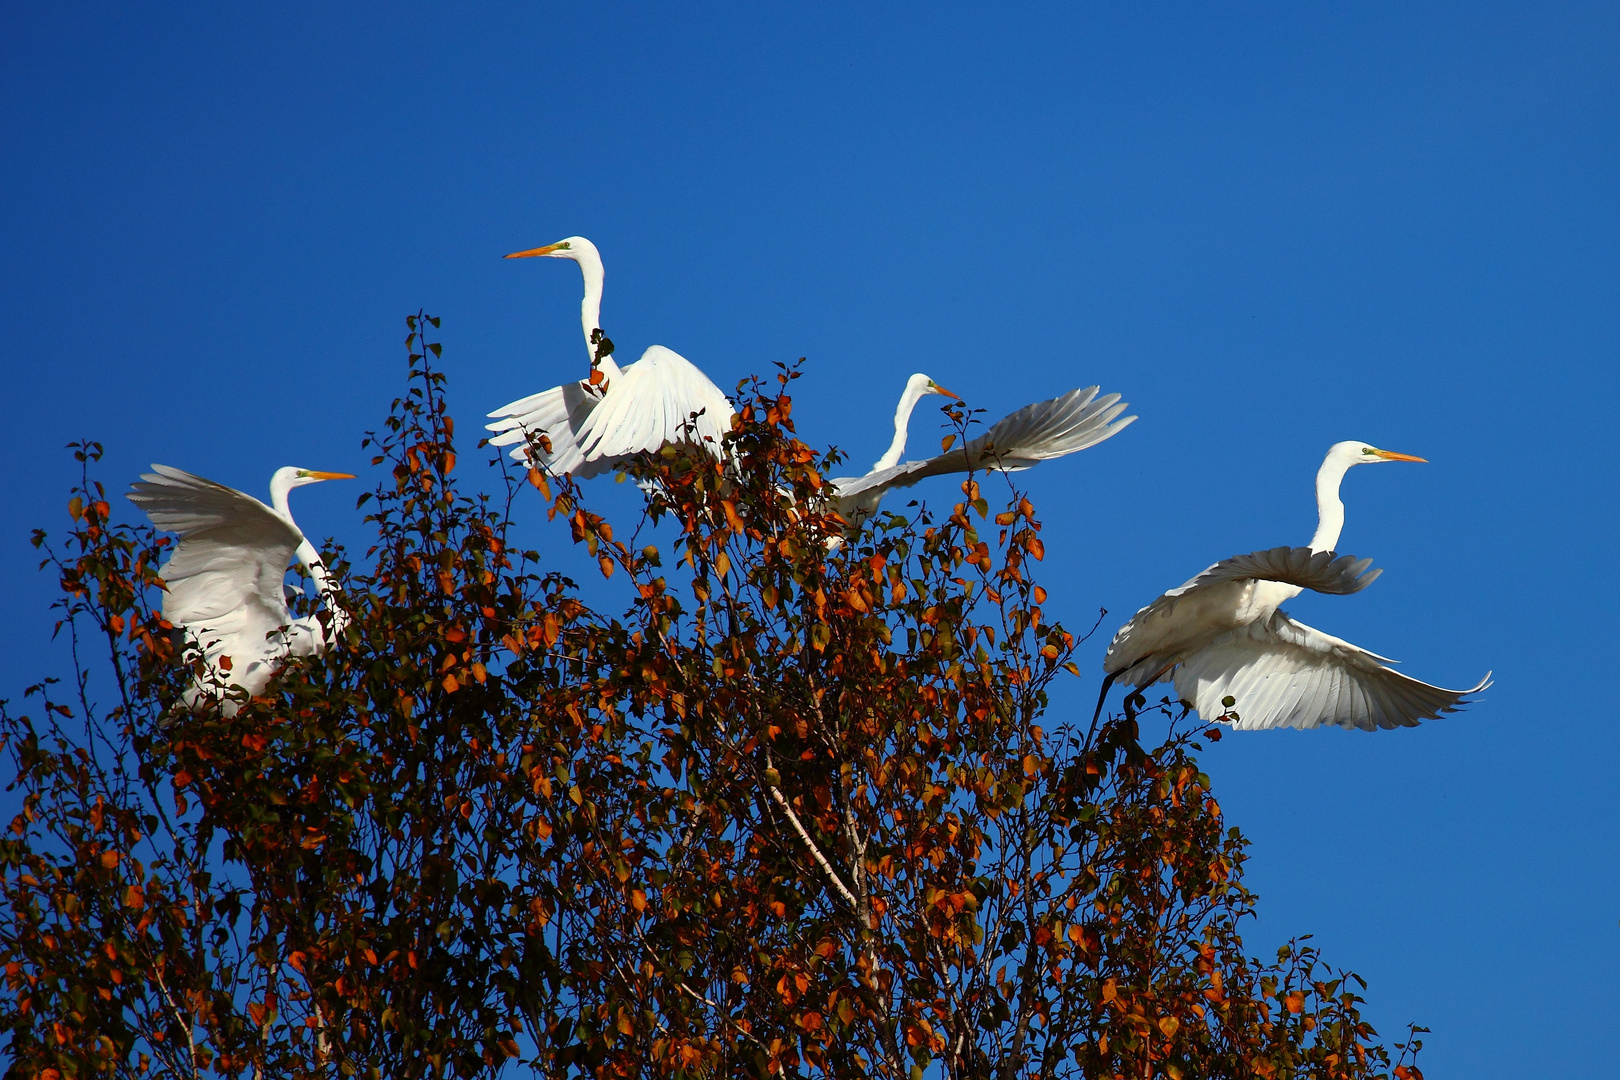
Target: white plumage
(1221, 636)
(594, 425)
(224, 580)
(1039, 432)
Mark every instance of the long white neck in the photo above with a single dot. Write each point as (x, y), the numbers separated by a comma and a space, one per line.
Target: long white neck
(305, 553)
(590, 309)
(1329, 509)
(902, 420)
(280, 486)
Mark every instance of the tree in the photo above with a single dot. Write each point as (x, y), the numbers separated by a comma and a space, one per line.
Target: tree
(800, 809)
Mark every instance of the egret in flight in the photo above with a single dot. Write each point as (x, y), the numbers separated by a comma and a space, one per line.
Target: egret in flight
(1039, 432)
(1229, 651)
(224, 580)
(595, 424)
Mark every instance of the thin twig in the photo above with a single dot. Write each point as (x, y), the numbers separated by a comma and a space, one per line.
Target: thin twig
(191, 1040)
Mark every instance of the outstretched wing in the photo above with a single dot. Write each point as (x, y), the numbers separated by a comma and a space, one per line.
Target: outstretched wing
(1319, 571)
(225, 576)
(560, 413)
(645, 407)
(651, 405)
(1047, 429)
(1219, 599)
(1282, 673)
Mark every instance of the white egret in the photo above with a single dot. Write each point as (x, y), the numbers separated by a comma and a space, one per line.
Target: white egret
(224, 580)
(1039, 432)
(1220, 637)
(595, 424)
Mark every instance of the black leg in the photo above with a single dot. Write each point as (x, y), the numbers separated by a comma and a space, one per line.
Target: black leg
(1107, 684)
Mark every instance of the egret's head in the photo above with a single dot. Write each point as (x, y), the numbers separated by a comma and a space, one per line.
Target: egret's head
(1360, 453)
(920, 385)
(291, 476)
(575, 247)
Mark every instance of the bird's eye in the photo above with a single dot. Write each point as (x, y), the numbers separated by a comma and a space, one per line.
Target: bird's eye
(1368, 450)
(565, 246)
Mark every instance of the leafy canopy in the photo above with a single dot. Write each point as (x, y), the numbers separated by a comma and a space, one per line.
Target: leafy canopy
(798, 809)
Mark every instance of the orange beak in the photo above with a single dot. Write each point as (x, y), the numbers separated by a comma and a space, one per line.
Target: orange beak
(938, 389)
(547, 250)
(1390, 455)
(330, 475)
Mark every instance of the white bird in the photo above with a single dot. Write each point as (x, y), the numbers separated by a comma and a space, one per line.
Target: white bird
(594, 425)
(1039, 432)
(1228, 649)
(224, 581)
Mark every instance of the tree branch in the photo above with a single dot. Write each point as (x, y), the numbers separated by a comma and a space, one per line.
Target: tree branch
(815, 852)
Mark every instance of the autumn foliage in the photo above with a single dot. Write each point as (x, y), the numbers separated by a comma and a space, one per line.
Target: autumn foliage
(792, 808)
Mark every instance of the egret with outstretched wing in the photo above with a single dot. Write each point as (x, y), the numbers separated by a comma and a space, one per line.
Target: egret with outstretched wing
(224, 581)
(1039, 432)
(1220, 637)
(594, 425)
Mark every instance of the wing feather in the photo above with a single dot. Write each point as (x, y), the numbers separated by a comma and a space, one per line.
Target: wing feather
(1187, 617)
(1286, 674)
(650, 405)
(233, 550)
(559, 413)
(1319, 571)
(1039, 432)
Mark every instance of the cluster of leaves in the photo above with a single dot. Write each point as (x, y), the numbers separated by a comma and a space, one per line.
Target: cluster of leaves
(799, 809)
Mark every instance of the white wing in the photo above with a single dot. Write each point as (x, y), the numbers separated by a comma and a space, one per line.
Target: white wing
(1319, 571)
(1282, 673)
(1039, 432)
(225, 576)
(1220, 599)
(651, 405)
(647, 406)
(559, 413)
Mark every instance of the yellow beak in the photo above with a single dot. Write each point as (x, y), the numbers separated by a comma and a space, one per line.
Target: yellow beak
(329, 475)
(547, 250)
(938, 389)
(1390, 455)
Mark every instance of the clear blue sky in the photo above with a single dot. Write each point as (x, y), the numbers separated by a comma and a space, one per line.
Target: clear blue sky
(1271, 227)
